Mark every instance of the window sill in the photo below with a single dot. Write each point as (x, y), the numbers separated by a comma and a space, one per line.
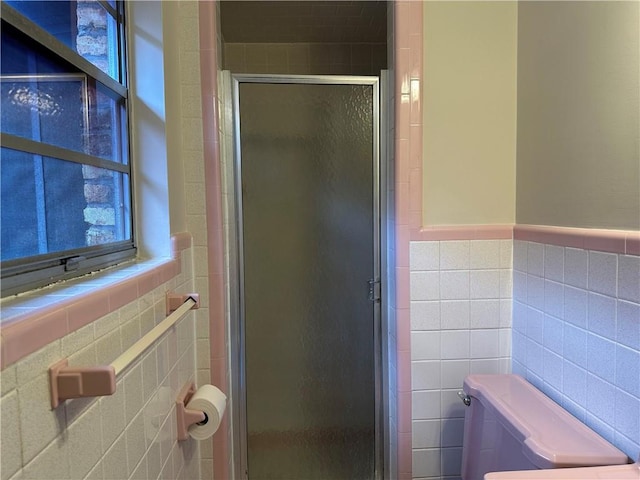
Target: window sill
(35, 319)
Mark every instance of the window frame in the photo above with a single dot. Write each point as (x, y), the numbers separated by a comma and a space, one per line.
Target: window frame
(27, 273)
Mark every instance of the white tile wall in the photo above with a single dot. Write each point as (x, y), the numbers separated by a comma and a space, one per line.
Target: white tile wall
(576, 334)
(193, 161)
(112, 437)
(454, 285)
(460, 324)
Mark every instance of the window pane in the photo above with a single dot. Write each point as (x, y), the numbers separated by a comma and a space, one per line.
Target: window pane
(50, 205)
(51, 102)
(85, 26)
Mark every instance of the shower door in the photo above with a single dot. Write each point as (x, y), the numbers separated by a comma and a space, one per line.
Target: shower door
(308, 209)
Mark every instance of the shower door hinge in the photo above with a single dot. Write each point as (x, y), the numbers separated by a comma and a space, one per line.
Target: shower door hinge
(374, 290)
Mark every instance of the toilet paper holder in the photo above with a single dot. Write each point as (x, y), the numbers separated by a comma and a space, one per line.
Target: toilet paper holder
(185, 416)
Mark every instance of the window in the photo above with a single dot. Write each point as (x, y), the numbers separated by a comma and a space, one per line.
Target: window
(66, 178)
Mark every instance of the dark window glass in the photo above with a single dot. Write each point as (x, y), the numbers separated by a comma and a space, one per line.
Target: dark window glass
(55, 103)
(51, 205)
(86, 27)
(64, 166)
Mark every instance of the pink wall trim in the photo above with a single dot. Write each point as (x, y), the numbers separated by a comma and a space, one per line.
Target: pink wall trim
(612, 241)
(464, 232)
(180, 241)
(408, 198)
(36, 322)
(633, 243)
(215, 228)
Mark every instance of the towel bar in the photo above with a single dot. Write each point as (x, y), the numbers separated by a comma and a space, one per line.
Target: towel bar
(77, 382)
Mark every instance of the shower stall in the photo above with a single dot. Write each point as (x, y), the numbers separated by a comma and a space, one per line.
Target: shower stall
(305, 264)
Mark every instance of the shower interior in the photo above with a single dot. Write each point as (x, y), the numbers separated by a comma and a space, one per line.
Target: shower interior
(305, 38)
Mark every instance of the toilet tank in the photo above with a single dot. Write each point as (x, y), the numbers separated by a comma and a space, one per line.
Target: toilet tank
(511, 425)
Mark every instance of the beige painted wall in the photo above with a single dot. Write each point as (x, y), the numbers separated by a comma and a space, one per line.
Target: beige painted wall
(578, 114)
(306, 58)
(469, 112)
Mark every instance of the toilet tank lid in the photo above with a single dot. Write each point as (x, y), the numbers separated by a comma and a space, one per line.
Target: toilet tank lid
(551, 436)
(609, 472)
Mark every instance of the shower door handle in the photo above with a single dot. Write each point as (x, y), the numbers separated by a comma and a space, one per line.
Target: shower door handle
(374, 290)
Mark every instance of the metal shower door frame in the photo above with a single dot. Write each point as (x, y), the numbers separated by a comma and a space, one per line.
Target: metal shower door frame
(236, 266)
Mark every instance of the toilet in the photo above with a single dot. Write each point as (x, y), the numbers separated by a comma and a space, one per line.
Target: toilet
(612, 472)
(510, 425)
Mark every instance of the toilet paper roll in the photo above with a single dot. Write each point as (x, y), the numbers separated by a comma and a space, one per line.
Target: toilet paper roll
(212, 402)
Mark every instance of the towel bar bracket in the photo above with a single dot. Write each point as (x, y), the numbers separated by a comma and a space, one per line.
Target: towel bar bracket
(174, 301)
(67, 383)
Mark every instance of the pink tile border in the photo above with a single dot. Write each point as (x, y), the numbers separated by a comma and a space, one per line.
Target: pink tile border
(408, 199)
(92, 307)
(31, 334)
(633, 243)
(38, 326)
(464, 232)
(215, 228)
(603, 240)
(404, 412)
(180, 241)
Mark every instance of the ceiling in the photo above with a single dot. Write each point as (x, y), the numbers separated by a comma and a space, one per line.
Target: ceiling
(303, 21)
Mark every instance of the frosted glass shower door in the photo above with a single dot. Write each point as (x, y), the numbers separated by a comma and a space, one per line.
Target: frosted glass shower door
(308, 172)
